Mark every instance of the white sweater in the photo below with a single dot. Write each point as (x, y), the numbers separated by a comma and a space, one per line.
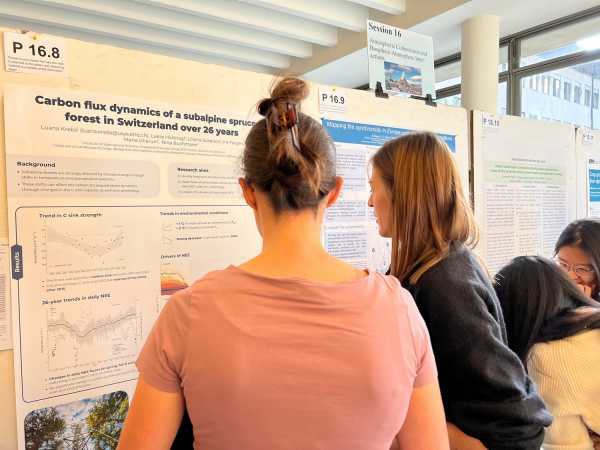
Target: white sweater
(567, 374)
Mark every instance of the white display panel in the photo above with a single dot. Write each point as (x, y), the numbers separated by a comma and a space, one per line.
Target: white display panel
(524, 185)
(114, 204)
(358, 130)
(588, 173)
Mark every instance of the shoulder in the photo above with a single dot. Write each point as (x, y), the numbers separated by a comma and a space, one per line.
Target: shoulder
(182, 301)
(400, 300)
(390, 286)
(563, 370)
(579, 350)
(458, 266)
(459, 276)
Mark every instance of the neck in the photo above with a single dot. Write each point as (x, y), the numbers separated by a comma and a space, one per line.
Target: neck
(292, 237)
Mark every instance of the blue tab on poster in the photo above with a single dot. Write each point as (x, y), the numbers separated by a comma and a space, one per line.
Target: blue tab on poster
(368, 134)
(594, 185)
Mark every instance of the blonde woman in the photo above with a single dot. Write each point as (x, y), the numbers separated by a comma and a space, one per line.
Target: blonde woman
(418, 201)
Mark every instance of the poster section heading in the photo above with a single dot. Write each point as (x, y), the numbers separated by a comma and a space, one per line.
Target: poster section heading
(372, 135)
(81, 177)
(401, 60)
(94, 112)
(61, 122)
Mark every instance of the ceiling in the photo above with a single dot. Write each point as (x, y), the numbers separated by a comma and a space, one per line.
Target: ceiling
(261, 35)
(351, 70)
(323, 39)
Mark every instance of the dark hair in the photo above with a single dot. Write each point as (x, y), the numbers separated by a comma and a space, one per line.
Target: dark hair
(541, 304)
(584, 234)
(289, 155)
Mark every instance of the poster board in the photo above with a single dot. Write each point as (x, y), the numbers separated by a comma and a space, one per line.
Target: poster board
(588, 173)
(524, 185)
(114, 204)
(116, 196)
(358, 130)
(104, 75)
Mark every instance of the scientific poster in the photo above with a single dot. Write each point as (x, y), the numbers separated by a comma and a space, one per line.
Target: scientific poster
(350, 231)
(593, 183)
(114, 205)
(524, 185)
(588, 173)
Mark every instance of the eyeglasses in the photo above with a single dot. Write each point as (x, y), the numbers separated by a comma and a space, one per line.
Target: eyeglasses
(584, 272)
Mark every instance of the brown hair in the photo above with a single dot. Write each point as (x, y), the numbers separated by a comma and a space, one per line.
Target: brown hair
(288, 154)
(429, 209)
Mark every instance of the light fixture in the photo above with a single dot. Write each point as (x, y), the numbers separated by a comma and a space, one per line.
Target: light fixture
(589, 44)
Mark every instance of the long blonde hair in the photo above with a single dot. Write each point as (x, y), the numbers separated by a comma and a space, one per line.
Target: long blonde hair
(429, 209)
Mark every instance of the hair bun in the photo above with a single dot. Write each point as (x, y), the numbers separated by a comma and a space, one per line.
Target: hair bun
(264, 106)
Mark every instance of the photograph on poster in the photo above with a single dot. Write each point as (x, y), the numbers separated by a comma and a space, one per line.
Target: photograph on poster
(400, 78)
(92, 423)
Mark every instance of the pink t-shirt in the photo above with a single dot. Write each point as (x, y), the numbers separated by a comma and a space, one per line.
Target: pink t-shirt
(278, 364)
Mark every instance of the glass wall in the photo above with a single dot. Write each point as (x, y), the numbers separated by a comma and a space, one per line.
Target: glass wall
(554, 73)
(568, 95)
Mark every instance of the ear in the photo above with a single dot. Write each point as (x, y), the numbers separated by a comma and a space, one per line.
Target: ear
(335, 192)
(248, 192)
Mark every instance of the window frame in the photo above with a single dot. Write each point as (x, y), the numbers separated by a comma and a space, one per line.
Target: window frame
(516, 73)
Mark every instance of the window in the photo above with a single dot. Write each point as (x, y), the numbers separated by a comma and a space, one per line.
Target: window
(555, 77)
(577, 95)
(560, 41)
(447, 75)
(532, 83)
(503, 98)
(567, 91)
(452, 100)
(556, 88)
(503, 59)
(583, 87)
(455, 100)
(588, 97)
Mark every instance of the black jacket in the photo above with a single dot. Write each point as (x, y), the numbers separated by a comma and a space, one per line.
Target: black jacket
(485, 389)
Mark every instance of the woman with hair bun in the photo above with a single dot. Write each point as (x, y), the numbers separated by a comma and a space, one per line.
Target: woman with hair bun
(294, 349)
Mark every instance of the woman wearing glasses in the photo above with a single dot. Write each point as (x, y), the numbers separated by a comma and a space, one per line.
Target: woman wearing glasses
(578, 253)
(555, 331)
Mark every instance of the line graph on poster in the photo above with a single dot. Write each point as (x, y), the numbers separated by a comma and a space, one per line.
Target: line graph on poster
(85, 247)
(86, 335)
